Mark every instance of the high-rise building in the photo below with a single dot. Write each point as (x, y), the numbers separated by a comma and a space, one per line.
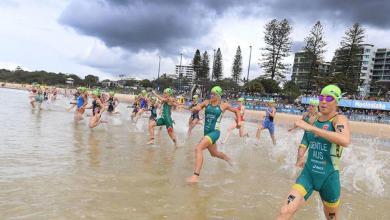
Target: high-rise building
(364, 65)
(185, 71)
(300, 71)
(381, 70)
(367, 58)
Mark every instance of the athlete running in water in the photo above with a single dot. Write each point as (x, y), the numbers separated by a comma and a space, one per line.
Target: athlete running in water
(112, 103)
(194, 118)
(74, 101)
(154, 106)
(82, 102)
(325, 140)
(136, 107)
(97, 109)
(241, 109)
(214, 109)
(167, 102)
(32, 95)
(311, 115)
(143, 104)
(39, 97)
(268, 122)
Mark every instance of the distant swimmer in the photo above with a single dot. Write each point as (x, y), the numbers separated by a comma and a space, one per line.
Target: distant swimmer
(242, 133)
(136, 107)
(73, 103)
(324, 140)
(33, 93)
(97, 109)
(312, 113)
(166, 119)
(112, 103)
(214, 109)
(194, 118)
(268, 122)
(143, 100)
(82, 102)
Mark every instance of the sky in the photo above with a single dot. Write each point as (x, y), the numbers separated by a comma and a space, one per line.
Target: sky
(112, 37)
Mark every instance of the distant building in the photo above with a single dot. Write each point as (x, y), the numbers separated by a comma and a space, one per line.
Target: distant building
(187, 72)
(381, 70)
(108, 83)
(300, 71)
(364, 65)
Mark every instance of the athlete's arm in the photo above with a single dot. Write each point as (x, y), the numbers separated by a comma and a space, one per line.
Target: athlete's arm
(273, 113)
(227, 106)
(342, 135)
(200, 106)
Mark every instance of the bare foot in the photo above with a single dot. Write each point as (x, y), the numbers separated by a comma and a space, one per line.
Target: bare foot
(193, 179)
(151, 141)
(229, 161)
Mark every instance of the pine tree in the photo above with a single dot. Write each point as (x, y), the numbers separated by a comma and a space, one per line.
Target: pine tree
(196, 64)
(218, 66)
(205, 66)
(237, 66)
(347, 64)
(314, 51)
(278, 45)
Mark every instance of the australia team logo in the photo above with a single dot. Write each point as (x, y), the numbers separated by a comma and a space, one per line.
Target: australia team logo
(325, 127)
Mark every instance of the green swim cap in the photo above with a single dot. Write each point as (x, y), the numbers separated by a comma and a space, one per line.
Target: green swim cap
(217, 90)
(314, 102)
(111, 93)
(168, 91)
(241, 99)
(195, 97)
(332, 90)
(96, 92)
(144, 92)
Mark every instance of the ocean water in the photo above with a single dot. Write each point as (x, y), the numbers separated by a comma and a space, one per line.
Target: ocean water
(52, 167)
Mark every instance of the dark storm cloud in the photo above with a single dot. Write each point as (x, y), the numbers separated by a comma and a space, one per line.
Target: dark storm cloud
(170, 25)
(165, 25)
(368, 12)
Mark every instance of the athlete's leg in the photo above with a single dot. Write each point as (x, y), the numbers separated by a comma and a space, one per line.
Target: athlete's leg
(189, 126)
(331, 213)
(229, 131)
(152, 124)
(271, 130)
(258, 132)
(138, 115)
(215, 153)
(171, 134)
(200, 147)
(242, 131)
(291, 204)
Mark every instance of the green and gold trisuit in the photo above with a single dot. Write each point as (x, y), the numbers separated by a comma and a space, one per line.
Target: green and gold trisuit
(213, 116)
(321, 171)
(165, 118)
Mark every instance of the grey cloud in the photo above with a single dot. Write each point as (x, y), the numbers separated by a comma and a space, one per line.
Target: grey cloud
(164, 25)
(297, 46)
(369, 12)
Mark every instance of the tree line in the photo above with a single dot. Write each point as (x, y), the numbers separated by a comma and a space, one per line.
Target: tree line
(344, 69)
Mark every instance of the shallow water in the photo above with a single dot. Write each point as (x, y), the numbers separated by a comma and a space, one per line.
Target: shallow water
(54, 168)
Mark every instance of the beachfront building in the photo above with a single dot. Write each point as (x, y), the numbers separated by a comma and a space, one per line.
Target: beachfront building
(186, 72)
(381, 72)
(364, 65)
(301, 72)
